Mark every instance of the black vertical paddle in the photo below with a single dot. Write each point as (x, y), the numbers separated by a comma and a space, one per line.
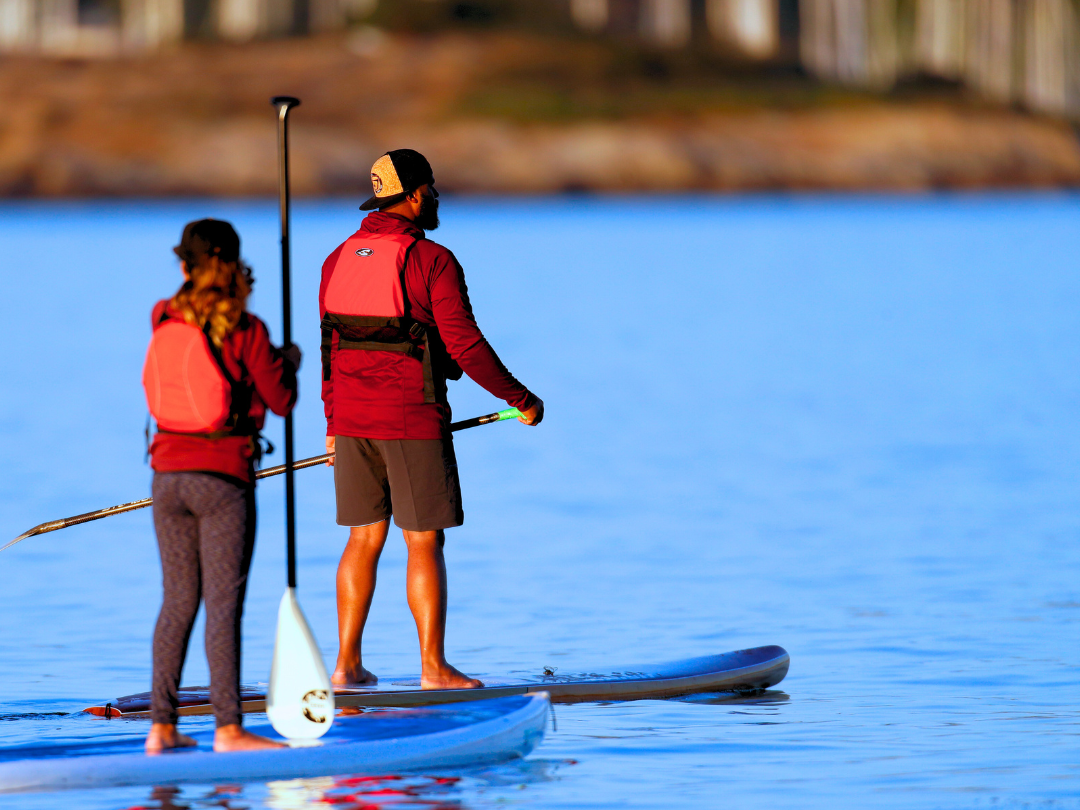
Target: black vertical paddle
(300, 700)
(284, 104)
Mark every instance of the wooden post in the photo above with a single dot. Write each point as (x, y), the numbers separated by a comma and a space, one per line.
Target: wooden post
(18, 26)
(1050, 40)
(241, 20)
(750, 26)
(148, 24)
(590, 15)
(939, 37)
(665, 23)
(990, 59)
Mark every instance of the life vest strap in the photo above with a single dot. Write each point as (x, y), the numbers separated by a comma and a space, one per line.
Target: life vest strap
(361, 321)
(351, 329)
(241, 395)
(411, 349)
(217, 434)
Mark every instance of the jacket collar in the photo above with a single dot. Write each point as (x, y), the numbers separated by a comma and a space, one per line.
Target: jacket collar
(380, 222)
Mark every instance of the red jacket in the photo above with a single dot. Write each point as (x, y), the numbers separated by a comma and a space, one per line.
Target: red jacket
(251, 359)
(380, 394)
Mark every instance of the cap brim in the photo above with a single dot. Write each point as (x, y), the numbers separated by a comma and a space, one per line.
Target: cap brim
(382, 202)
(186, 257)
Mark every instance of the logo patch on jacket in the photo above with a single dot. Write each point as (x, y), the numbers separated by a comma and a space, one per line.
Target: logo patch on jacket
(364, 252)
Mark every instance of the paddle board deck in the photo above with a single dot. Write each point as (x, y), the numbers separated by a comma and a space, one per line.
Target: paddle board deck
(465, 734)
(739, 671)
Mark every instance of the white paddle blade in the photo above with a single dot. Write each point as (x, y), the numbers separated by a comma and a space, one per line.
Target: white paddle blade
(300, 701)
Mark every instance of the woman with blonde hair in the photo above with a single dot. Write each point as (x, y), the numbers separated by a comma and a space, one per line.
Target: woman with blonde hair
(210, 374)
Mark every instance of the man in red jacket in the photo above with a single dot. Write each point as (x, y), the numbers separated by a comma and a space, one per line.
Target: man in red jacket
(396, 324)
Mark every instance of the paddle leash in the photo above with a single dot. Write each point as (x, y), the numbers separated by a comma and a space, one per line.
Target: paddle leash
(302, 464)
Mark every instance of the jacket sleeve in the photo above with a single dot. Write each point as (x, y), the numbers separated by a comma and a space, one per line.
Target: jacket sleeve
(157, 312)
(463, 338)
(274, 376)
(327, 384)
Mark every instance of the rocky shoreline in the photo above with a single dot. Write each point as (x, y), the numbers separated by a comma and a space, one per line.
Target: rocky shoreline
(195, 121)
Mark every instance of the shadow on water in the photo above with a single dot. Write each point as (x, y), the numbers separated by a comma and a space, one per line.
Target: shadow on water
(768, 697)
(32, 715)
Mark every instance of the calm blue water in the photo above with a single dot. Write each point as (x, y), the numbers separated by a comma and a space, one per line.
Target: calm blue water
(847, 426)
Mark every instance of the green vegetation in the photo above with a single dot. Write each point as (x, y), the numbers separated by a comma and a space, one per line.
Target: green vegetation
(564, 78)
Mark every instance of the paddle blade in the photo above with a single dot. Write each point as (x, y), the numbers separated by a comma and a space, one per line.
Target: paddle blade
(300, 701)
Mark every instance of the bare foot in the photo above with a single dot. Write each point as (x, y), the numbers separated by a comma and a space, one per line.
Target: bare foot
(352, 676)
(234, 738)
(164, 736)
(447, 677)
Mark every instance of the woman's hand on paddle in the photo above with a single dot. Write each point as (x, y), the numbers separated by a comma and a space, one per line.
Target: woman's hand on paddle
(293, 355)
(330, 442)
(534, 415)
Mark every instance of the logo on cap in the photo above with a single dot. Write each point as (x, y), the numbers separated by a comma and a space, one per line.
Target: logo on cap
(384, 178)
(364, 252)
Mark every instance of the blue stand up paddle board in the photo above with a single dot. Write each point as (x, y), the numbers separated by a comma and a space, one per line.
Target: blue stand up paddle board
(463, 734)
(740, 671)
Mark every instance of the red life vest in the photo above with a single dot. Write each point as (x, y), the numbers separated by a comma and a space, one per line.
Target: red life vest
(366, 305)
(188, 388)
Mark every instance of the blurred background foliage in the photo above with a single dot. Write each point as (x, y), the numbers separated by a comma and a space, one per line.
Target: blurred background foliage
(131, 96)
(1013, 51)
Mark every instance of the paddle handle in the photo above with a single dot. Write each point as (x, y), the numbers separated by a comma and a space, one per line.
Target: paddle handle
(501, 416)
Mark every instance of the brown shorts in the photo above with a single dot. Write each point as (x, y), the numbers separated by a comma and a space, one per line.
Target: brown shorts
(415, 480)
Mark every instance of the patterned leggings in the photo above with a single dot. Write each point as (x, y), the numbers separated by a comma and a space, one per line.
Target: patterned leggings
(206, 533)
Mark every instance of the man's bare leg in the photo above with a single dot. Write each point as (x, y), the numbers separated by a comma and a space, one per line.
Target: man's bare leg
(355, 588)
(426, 588)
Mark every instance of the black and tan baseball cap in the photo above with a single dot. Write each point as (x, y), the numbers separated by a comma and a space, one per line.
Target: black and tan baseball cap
(395, 175)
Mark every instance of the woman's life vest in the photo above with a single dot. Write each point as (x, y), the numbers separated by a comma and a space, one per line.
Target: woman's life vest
(188, 387)
(367, 307)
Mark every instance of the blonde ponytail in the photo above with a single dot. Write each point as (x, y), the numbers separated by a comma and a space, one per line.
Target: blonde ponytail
(215, 292)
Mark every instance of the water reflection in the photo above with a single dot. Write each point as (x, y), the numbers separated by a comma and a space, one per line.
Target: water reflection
(439, 791)
(167, 797)
(366, 792)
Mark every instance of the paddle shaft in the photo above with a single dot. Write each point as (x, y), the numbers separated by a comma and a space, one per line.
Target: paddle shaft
(284, 104)
(63, 523)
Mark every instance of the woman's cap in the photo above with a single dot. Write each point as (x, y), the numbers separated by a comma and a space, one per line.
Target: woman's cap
(208, 237)
(395, 175)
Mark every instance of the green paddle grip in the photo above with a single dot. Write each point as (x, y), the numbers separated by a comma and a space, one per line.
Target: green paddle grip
(501, 416)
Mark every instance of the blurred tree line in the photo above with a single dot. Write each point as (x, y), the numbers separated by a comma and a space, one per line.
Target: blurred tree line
(1025, 52)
